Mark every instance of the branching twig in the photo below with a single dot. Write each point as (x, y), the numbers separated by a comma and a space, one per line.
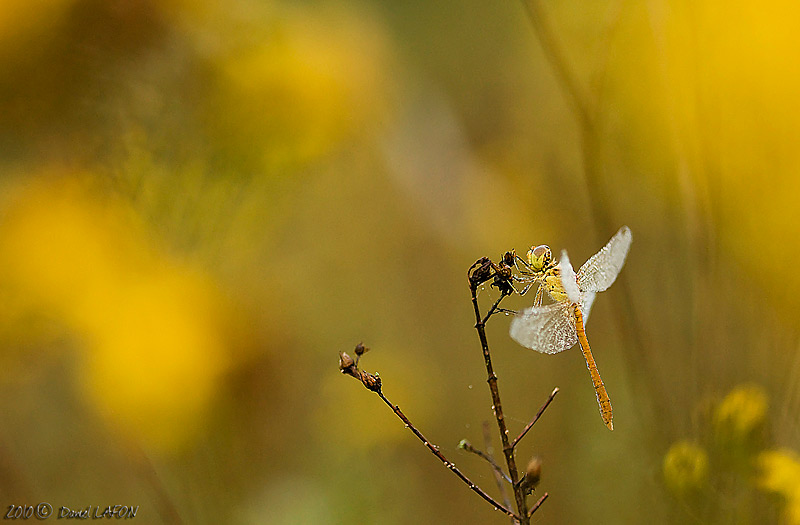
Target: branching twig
(538, 504)
(494, 309)
(449, 464)
(373, 382)
(497, 406)
(481, 272)
(467, 446)
(535, 418)
(499, 476)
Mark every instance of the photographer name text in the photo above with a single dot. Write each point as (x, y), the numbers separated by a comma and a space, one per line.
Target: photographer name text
(44, 510)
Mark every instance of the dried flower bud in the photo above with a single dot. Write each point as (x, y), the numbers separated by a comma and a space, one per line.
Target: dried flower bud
(372, 382)
(508, 258)
(481, 271)
(503, 271)
(347, 365)
(502, 283)
(361, 349)
(532, 475)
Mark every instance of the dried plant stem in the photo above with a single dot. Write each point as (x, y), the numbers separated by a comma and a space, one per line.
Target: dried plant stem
(498, 471)
(449, 464)
(499, 475)
(508, 450)
(494, 309)
(535, 418)
(538, 504)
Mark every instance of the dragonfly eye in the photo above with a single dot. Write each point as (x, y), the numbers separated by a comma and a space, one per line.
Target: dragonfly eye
(539, 257)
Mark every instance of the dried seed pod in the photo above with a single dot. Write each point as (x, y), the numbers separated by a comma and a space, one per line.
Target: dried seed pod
(372, 382)
(481, 271)
(533, 473)
(347, 365)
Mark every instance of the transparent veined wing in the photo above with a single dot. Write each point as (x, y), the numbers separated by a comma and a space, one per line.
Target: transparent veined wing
(568, 278)
(602, 268)
(587, 299)
(548, 329)
(570, 282)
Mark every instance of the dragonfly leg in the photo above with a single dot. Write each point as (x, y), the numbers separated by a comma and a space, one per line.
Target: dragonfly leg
(527, 269)
(527, 287)
(522, 280)
(537, 300)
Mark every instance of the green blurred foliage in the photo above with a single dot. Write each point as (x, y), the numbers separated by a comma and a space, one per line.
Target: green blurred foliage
(202, 202)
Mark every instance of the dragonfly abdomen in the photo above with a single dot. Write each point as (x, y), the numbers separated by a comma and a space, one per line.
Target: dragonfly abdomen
(603, 401)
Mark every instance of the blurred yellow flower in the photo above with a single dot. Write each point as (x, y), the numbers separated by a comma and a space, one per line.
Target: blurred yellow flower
(741, 414)
(780, 473)
(153, 328)
(315, 79)
(685, 468)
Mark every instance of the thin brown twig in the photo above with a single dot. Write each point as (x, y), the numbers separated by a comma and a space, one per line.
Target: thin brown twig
(498, 471)
(447, 463)
(494, 308)
(535, 418)
(508, 451)
(498, 474)
(538, 504)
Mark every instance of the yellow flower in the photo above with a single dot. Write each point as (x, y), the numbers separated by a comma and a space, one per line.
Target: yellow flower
(741, 414)
(780, 473)
(312, 82)
(685, 467)
(153, 329)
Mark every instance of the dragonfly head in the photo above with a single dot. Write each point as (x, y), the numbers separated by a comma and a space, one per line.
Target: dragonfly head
(539, 257)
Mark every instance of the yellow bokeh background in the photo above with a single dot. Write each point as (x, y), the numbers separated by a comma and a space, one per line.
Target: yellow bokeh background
(202, 203)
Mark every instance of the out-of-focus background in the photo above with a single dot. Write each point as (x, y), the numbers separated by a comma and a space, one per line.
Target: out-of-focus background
(203, 202)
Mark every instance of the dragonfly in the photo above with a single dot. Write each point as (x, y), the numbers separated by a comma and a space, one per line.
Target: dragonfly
(558, 326)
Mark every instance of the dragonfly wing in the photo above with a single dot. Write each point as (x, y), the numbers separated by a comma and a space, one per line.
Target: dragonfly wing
(568, 278)
(570, 282)
(602, 268)
(586, 305)
(548, 329)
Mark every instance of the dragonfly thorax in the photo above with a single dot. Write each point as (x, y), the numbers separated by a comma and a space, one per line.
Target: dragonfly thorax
(539, 257)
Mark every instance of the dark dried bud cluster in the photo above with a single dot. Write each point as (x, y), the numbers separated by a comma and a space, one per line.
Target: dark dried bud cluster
(480, 272)
(500, 273)
(372, 382)
(349, 366)
(502, 278)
